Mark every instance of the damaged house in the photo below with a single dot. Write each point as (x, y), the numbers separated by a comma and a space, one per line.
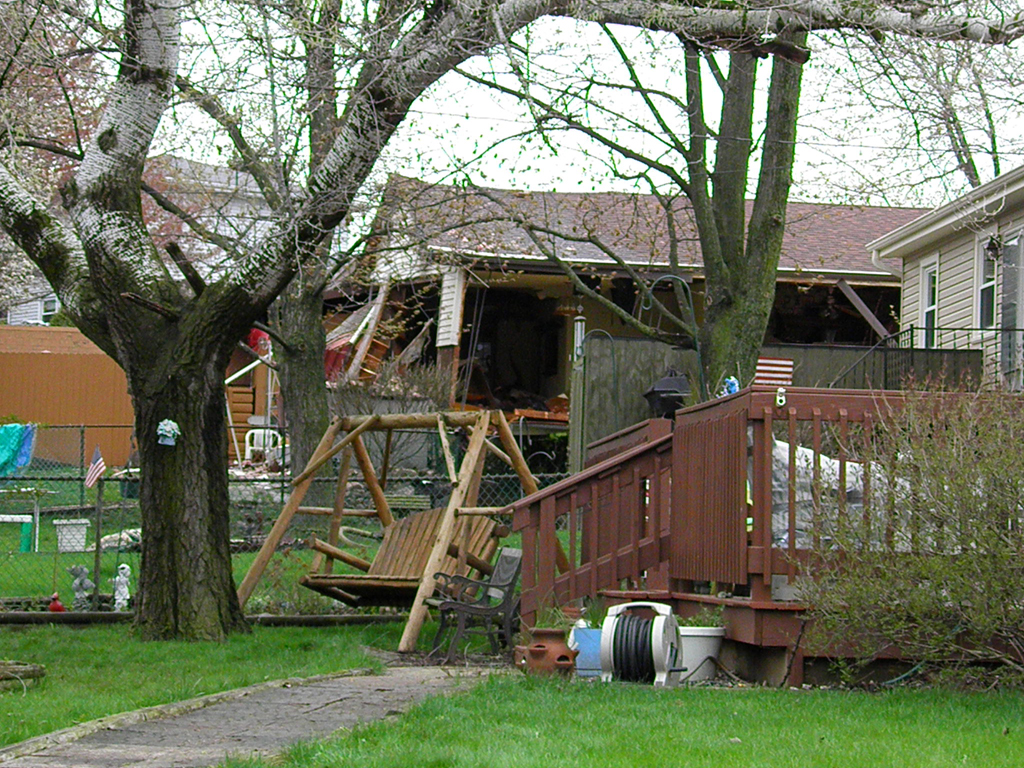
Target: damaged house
(498, 310)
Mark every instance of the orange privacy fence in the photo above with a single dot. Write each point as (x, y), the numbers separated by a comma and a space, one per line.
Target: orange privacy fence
(57, 376)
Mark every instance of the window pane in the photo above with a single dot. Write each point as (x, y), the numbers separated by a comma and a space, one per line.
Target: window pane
(987, 313)
(929, 328)
(988, 270)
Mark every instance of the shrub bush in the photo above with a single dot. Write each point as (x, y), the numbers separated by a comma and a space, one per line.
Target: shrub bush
(932, 565)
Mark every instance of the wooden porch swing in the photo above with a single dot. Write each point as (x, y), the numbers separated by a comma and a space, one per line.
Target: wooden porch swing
(456, 539)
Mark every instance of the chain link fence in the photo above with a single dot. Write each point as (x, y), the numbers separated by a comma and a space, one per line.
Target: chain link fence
(52, 527)
(49, 520)
(407, 492)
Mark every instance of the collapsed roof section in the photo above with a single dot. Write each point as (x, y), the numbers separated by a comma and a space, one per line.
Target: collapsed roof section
(421, 227)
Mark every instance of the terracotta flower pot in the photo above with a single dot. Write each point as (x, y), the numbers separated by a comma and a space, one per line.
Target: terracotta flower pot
(549, 654)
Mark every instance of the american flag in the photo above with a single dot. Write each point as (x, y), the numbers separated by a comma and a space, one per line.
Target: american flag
(96, 469)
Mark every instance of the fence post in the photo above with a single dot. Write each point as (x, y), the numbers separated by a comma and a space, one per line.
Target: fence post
(97, 561)
(81, 465)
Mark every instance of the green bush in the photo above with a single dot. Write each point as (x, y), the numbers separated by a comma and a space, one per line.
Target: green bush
(931, 565)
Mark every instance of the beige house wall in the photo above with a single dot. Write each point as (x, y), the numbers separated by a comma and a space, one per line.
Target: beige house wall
(955, 236)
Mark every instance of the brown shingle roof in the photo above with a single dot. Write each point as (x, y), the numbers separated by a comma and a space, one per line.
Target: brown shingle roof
(827, 239)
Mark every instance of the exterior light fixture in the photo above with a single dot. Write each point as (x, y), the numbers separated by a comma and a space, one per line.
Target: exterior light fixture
(994, 248)
(668, 394)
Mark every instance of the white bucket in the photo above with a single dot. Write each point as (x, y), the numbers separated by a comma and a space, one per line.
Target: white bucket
(699, 647)
(71, 535)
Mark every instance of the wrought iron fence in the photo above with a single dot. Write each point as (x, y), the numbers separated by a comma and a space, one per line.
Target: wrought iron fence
(986, 356)
(978, 356)
(50, 523)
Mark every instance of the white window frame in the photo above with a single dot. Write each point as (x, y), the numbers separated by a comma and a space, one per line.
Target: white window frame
(44, 315)
(1013, 377)
(1015, 236)
(981, 284)
(929, 266)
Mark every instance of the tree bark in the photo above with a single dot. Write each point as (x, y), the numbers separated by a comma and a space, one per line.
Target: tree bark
(298, 312)
(185, 588)
(298, 317)
(736, 318)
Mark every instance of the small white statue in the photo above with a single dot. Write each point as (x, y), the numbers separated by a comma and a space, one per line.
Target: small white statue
(121, 593)
(82, 587)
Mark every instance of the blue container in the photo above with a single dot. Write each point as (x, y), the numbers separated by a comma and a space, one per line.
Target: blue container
(588, 641)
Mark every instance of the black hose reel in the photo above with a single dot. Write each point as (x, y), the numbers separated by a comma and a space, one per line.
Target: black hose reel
(637, 649)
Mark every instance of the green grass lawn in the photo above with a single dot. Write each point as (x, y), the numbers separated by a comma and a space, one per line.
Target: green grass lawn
(525, 722)
(96, 671)
(39, 574)
(513, 720)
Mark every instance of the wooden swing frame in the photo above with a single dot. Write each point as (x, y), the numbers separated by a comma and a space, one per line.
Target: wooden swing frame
(462, 502)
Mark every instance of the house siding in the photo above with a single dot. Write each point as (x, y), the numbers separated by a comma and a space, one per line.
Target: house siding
(957, 244)
(957, 286)
(29, 313)
(1012, 223)
(910, 297)
(956, 283)
(1009, 229)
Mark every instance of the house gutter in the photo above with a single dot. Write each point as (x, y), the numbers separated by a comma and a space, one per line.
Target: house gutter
(975, 209)
(527, 258)
(876, 259)
(790, 274)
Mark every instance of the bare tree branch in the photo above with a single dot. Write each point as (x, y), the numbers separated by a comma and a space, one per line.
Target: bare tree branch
(227, 244)
(251, 162)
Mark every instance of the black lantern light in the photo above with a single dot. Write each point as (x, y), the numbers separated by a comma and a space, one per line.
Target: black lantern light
(667, 394)
(994, 248)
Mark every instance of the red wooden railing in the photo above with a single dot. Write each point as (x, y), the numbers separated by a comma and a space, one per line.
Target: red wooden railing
(700, 505)
(610, 520)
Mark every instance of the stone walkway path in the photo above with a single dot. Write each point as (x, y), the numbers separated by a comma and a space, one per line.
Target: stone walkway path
(259, 720)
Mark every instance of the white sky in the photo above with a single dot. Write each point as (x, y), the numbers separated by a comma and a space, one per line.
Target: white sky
(839, 139)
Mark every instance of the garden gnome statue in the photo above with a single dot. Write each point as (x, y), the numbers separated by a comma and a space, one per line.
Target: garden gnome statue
(82, 587)
(121, 594)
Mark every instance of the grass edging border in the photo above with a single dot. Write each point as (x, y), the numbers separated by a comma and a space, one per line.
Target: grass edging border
(157, 712)
(257, 619)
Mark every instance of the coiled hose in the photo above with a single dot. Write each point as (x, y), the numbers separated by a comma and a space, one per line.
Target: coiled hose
(632, 655)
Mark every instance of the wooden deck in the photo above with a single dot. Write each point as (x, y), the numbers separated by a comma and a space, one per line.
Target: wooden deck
(690, 515)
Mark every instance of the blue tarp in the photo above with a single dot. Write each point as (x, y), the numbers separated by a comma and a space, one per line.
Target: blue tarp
(28, 445)
(17, 442)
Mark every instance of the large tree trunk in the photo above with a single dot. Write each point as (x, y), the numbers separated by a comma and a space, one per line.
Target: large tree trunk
(741, 301)
(298, 317)
(185, 585)
(732, 336)
(298, 312)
